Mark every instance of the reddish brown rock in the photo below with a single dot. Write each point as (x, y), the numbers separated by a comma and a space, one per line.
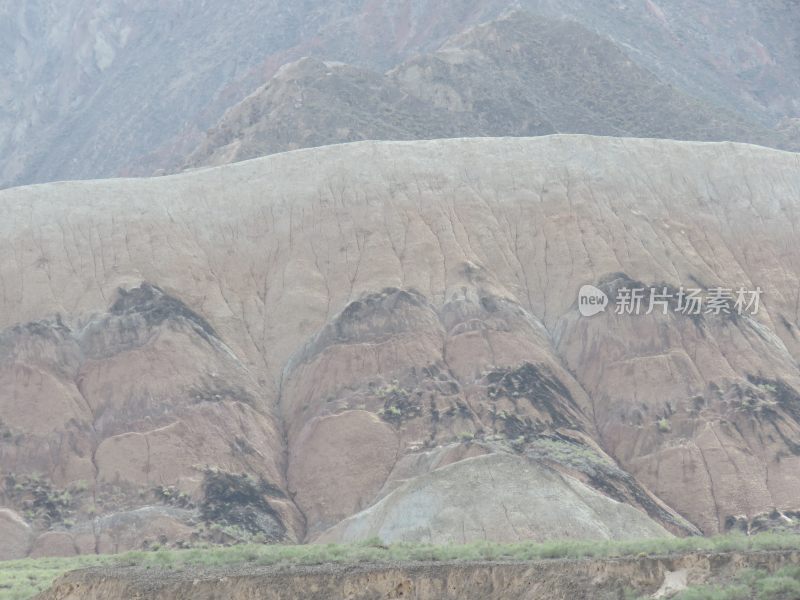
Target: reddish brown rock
(338, 464)
(54, 543)
(268, 317)
(16, 535)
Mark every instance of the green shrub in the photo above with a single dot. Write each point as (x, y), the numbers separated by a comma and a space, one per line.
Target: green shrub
(778, 588)
(735, 592)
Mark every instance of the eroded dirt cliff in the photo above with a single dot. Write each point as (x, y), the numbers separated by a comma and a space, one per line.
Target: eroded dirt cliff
(547, 580)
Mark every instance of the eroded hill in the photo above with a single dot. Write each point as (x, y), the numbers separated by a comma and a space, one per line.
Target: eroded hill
(316, 344)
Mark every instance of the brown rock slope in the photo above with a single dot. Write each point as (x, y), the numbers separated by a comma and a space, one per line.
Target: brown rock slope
(355, 328)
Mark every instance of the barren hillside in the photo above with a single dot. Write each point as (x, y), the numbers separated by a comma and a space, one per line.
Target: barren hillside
(315, 344)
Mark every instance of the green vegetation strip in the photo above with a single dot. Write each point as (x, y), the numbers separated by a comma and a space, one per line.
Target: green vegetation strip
(22, 579)
(751, 584)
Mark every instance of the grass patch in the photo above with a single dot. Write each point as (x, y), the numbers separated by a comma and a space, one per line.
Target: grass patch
(22, 579)
(751, 584)
(569, 453)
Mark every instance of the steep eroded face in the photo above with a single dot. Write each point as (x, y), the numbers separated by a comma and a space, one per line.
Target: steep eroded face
(343, 324)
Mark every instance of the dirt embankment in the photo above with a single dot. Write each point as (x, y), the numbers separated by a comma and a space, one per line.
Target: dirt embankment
(553, 580)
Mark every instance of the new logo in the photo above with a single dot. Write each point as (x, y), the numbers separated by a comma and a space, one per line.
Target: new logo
(591, 300)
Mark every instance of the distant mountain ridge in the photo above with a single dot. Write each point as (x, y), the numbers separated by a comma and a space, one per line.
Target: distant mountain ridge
(520, 75)
(130, 88)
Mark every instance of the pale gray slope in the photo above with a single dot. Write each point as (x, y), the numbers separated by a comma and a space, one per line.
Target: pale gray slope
(494, 498)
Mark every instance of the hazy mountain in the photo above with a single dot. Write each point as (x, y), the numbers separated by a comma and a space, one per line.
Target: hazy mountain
(377, 338)
(123, 87)
(520, 75)
(736, 54)
(87, 90)
(313, 103)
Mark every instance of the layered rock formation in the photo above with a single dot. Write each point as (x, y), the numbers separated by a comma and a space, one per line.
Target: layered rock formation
(310, 345)
(141, 398)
